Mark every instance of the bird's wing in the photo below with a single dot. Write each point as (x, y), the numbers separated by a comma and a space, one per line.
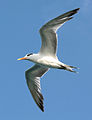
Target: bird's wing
(33, 81)
(48, 33)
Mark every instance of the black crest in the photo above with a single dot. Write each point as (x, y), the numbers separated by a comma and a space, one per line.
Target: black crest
(29, 54)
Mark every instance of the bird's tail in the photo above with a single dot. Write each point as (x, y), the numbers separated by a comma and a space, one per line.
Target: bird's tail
(69, 68)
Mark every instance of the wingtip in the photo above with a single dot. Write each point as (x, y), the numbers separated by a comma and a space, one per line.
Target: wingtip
(77, 9)
(42, 109)
(72, 12)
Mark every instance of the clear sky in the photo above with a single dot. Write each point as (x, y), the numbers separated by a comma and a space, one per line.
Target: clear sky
(67, 96)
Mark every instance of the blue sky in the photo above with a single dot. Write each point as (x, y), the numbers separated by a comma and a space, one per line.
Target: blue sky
(67, 96)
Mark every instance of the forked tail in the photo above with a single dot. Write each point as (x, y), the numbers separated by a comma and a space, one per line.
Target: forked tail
(69, 68)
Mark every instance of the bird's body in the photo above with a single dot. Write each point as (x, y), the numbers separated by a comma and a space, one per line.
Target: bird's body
(46, 58)
(47, 61)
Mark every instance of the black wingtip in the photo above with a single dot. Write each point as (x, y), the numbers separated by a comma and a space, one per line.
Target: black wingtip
(40, 103)
(42, 109)
(76, 10)
(72, 12)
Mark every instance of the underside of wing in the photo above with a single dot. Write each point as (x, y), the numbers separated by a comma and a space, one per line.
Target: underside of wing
(48, 33)
(33, 81)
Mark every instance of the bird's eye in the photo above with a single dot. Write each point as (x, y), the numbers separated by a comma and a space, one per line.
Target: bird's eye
(29, 54)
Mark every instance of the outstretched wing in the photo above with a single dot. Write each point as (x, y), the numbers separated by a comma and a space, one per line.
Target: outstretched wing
(33, 81)
(48, 33)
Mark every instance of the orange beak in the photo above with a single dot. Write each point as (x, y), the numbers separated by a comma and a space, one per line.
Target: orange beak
(24, 58)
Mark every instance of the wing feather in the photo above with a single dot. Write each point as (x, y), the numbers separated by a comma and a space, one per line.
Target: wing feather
(33, 81)
(48, 33)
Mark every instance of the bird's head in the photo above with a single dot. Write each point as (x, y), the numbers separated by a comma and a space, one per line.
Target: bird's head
(26, 57)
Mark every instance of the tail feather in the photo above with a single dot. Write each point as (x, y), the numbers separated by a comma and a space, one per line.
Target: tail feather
(69, 68)
(73, 67)
(72, 70)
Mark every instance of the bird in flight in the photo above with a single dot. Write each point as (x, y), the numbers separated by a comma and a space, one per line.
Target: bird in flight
(46, 58)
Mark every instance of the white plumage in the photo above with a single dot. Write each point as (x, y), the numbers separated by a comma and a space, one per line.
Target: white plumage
(46, 58)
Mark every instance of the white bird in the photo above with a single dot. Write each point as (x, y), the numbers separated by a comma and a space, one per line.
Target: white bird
(46, 58)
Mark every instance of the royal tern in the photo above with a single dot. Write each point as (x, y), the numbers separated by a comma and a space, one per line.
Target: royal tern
(46, 58)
